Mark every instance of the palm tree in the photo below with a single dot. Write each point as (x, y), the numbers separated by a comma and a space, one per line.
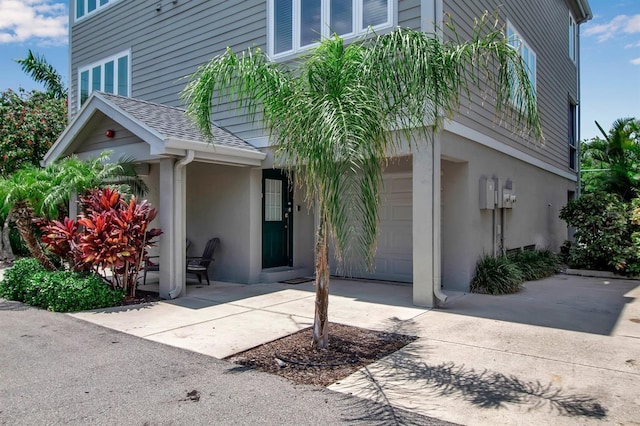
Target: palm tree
(42, 72)
(343, 109)
(615, 159)
(34, 192)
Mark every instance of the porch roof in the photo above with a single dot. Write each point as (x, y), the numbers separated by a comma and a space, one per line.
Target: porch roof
(167, 130)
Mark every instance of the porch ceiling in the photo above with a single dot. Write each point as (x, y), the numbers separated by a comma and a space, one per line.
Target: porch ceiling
(167, 130)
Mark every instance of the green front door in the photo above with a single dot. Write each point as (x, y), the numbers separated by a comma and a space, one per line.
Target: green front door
(277, 219)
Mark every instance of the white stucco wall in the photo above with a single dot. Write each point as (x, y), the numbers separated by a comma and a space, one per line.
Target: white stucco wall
(218, 205)
(467, 231)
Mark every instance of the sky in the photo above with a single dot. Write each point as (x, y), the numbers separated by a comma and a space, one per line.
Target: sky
(610, 54)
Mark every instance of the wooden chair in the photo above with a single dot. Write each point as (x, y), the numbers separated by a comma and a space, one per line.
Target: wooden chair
(199, 266)
(151, 266)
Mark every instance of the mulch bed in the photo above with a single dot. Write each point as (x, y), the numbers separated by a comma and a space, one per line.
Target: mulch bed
(294, 358)
(142, 296)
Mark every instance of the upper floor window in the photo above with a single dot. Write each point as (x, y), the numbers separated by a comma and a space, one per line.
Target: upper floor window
(573, 135)
(87, 7)
(573, 39)
(526, 53)
(295, 25)
(110, 75)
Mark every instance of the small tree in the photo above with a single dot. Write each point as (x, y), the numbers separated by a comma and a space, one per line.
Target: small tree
(337, 115)
(112, 235)
(33, 192)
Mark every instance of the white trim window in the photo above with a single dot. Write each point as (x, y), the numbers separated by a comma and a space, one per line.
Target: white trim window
(573, 135)
(110, 75)
(88, 7)
(296, 25)
(573, 38)
(526, 53)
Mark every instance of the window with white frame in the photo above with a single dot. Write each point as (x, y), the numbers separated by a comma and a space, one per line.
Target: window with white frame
(110, 75)
(573, 39)
(573, 135)
(88, 7)
(525, 51)
(295, 25)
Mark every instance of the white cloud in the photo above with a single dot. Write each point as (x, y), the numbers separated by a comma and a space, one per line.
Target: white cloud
(621, 24)
(635, 61)
(41, 21)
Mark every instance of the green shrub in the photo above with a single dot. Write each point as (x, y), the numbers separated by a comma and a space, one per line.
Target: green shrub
(16, 279)
(496, 275)
(59, 291)
(603, 233)
(536, 264)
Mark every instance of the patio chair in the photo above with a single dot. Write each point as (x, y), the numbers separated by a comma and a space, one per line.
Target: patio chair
(151, 266)
(199, 266)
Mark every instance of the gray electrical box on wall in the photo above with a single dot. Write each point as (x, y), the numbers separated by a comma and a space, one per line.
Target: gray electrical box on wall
(487, 193)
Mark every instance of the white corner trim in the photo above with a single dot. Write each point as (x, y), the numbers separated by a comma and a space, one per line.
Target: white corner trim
(468, 133)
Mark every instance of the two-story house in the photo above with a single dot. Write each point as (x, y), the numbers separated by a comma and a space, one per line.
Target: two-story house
(475, 188)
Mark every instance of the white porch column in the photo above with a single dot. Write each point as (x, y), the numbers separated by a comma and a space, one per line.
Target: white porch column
(180, 226)
(167, 239)
(426, 222)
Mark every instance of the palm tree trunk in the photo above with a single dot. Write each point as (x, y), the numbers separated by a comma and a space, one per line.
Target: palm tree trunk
(321, 318)
(24, 224)
(6, 252)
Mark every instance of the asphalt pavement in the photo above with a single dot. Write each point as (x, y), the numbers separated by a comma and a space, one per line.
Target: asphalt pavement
(56, 369)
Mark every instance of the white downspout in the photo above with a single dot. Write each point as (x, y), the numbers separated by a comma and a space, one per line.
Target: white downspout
(178, 259)
(437, 228)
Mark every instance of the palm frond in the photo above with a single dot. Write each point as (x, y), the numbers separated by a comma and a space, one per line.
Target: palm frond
(42, 72)
(345, 109)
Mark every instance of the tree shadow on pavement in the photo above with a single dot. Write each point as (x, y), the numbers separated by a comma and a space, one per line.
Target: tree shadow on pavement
(405, 378)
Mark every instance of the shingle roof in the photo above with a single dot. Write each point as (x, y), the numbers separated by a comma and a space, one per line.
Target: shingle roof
(172, 122)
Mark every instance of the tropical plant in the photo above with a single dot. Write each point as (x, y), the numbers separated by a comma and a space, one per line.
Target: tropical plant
(535, 264)
(496, 275)
(33, 192)
(612, 163)
(603, 228)
(42, 72)
(336, 114)
(112, 235)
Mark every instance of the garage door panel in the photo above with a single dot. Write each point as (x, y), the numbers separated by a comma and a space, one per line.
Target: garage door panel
(394, 256)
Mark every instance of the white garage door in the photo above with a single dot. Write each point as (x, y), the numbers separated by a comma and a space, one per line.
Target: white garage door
(394, 257)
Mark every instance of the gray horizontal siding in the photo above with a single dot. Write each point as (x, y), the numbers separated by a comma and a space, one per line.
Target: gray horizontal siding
(168, 45)
(544, 26)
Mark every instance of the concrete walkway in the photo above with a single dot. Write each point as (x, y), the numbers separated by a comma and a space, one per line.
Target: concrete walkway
(565, 350)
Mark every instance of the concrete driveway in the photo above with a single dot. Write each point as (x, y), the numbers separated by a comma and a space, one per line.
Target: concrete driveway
(565, 350)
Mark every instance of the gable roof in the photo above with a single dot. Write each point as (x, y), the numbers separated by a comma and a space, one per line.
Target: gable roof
(168, 130)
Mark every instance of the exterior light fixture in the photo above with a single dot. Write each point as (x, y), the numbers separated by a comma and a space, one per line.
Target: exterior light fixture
(110, 133)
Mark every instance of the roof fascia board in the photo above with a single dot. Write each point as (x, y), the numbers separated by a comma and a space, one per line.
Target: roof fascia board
(585, 10)
(212, 148)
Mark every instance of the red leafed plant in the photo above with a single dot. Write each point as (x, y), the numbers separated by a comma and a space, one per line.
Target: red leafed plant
(111, 237)
(59, 237)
